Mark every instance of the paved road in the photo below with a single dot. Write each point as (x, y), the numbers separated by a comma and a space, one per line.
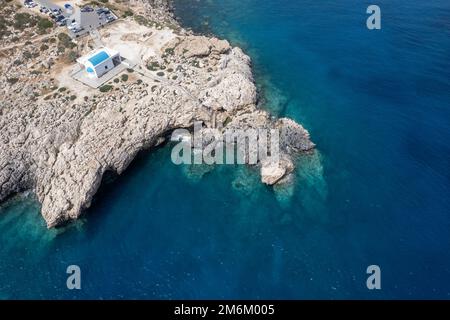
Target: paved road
(95, 35)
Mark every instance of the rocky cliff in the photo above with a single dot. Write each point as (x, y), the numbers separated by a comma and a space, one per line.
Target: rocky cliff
(58, 139)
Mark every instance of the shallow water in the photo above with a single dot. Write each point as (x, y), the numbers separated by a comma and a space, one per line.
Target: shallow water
(376, 192)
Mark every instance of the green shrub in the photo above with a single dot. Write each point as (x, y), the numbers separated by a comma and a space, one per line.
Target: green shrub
(23, 20)
(116, 80)
(62, 89)
(124, 77)
(169, 51)
(4, 33)
(128, 13)
(141, 20)
(160, 74)
(12, 80)
(72, 97)
(27, 55)
(71, 45)
(72, 56)
(196, 63)
(153, 66)
(44, 23)
(66, 41)
(43, 47)
(105, 88)
(129, 70)
(3, 23)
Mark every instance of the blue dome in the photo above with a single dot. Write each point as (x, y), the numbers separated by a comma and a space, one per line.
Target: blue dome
(90, 70)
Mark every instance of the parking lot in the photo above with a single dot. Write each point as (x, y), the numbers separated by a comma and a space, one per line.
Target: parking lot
(50, 5)
(78, 21)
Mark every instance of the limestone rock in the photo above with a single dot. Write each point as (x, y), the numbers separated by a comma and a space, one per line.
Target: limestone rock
(293, 136)
(60, 149)
(200, 46)
(273, 171)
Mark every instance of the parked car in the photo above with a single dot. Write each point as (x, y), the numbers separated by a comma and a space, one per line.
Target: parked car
(56, 16)
(44, 10)
(77, 30)
(72, 25)
(56, 12)
(86, 9)
(102, 10)
(62, 22)
(58, 19)
(68, 6)
(29, 4)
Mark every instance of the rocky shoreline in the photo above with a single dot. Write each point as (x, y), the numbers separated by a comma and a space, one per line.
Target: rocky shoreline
(58, 139)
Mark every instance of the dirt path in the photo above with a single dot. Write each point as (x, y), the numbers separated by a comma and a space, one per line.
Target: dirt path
(37, 39)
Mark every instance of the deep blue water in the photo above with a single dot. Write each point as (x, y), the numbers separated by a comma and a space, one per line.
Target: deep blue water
(376, 192)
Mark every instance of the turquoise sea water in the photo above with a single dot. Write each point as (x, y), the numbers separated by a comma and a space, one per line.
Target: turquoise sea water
(376, 192)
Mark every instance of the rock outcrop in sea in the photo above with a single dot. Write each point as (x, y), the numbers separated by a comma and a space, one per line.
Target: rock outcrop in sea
(58, 139)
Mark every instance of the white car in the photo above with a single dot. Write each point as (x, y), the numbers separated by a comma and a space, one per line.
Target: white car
(56, 12)
(29, 4)
(72, 26)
